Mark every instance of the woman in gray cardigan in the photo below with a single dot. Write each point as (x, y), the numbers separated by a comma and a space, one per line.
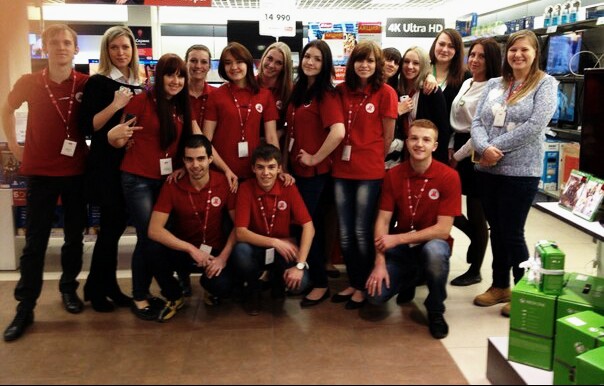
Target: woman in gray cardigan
(508, 132)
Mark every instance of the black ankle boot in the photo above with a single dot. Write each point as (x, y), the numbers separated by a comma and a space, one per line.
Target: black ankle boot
(23, 319)
(119, 299)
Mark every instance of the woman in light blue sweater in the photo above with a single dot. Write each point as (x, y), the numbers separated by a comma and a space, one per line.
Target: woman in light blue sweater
(508, 132)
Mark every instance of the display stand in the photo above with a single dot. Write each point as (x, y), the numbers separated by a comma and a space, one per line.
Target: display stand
(593, 228)
(500, 371)
(8, 255)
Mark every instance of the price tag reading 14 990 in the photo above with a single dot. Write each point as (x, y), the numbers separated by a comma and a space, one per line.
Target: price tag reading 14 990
(277, 17)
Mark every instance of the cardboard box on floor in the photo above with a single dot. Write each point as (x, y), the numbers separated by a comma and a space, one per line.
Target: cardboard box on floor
(575, 335)
(590, 367)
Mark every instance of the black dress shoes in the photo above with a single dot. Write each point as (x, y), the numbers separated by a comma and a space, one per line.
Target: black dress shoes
(405, 295)
(337, 298)
(439, 328)
(352, 305)
(120, 300)
(466, 279)
(72, 303)
(22, 320)
(100, 304)
(146, 313)
(306, 302)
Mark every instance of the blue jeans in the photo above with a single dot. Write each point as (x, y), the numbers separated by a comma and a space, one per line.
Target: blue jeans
(405, 265)
(312, 189)
(168, 261)
(357, 206)
(248, 263)
(506, 201)
(140, 194)
(42, 195)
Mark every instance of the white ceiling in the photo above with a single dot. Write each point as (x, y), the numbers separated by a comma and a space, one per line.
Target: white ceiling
(324, 4)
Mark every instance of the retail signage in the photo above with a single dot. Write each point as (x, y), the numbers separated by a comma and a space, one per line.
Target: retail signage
(184, 3)
(277, 18)
(416, 28)
(142, 35)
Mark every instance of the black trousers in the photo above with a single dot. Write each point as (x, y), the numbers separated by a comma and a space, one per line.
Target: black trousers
(42, 196)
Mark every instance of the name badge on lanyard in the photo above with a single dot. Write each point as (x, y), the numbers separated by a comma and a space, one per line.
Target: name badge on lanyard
(69, 148)
(206, 248)
(499, 120)
(243, 149)
(346, 153)
(165, 166)
(291, 144)
(269, 256)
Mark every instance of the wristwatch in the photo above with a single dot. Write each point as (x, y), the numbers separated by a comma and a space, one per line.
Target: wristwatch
(302, 266)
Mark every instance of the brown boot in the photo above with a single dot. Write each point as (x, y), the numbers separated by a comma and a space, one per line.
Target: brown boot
(493, 296)
(506, 310)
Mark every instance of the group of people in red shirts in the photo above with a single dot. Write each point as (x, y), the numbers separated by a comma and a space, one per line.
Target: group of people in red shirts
(229, 181)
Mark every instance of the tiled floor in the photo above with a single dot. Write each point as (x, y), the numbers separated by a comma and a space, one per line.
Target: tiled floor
(284, 345)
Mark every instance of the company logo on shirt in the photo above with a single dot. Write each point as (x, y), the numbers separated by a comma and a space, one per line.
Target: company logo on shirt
(259, 108)
(216, 201)
(434, 194)
(279, 105)
(78, 96)
(282, 205)
(370, 108)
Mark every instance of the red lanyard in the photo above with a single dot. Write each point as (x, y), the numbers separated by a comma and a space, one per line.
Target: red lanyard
(513, 91)
(352, 116)
(54, 100)
(239, 107)
(207, 214)
(419, 197)
(269, 227)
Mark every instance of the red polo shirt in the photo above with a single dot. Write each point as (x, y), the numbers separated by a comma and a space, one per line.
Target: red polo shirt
(46, 131)
(198, 104)
(143, 155)
(441, 195)
(309, 126)
(365, 133)
(181, 201)
(285, 202)
(221, 108)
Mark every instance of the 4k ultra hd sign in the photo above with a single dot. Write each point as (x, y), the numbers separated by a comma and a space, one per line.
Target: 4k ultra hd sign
(415, 28)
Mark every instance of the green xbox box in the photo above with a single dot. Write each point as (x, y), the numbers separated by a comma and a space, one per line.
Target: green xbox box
(590, 367)
(575, 335)
(552, 259)
(533, 311)
(532, 326)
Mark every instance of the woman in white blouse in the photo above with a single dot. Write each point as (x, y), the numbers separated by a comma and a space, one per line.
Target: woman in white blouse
(484, 62)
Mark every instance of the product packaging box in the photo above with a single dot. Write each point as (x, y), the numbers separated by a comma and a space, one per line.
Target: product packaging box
(581, 293)
(575, 335)
(551, 164)
(552, 262)
(590, 367)
(569, 160)
(532, 326)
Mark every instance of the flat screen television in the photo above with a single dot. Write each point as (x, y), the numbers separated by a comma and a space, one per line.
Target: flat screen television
(562, 53)
(247, 33)
(591, 157)
(570, 99)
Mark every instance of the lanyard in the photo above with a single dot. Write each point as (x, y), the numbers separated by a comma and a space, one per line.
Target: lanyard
(513, 91)
(461, 100)
(54, 100)
(442, 84)
(239, 107)
(207, 214)
(352, 116)
(419, 197)
(269, 227)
